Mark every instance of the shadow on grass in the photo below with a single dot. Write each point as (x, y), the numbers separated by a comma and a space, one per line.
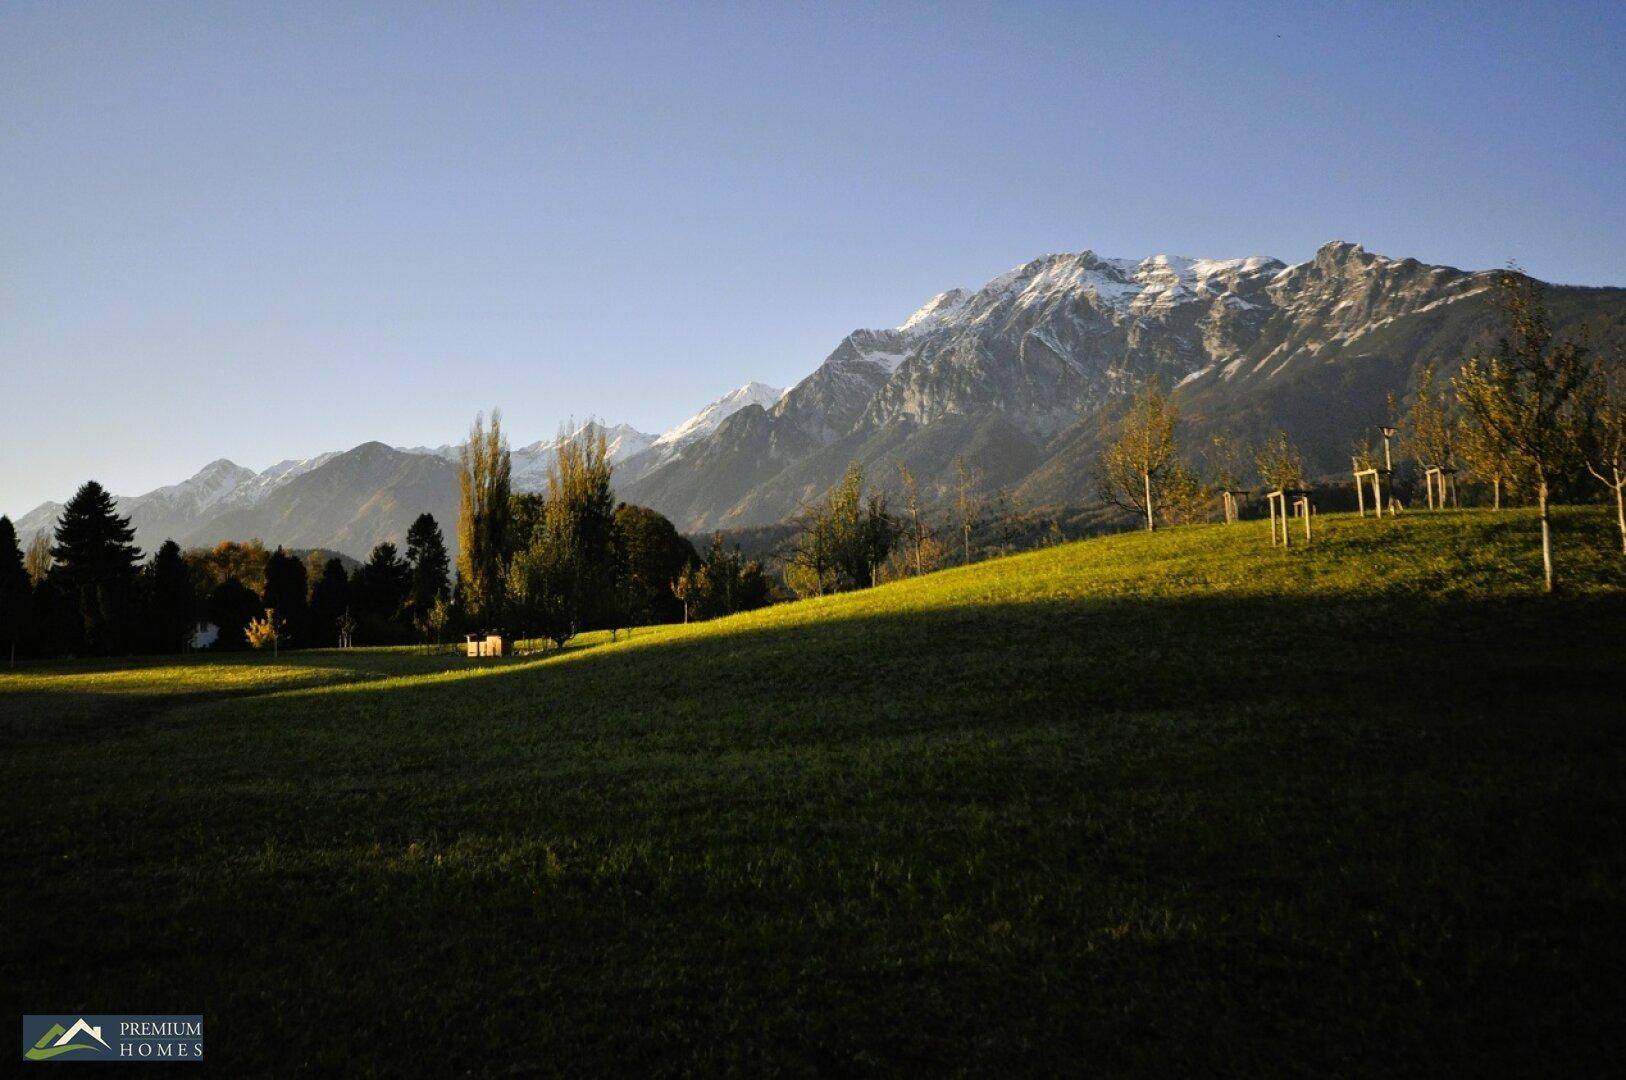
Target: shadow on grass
(971, 665)
(1205, 835)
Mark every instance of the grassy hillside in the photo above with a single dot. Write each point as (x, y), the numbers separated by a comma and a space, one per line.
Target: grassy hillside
(1171, 803)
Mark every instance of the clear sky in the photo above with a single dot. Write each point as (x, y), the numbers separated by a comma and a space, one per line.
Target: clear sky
(262, 232)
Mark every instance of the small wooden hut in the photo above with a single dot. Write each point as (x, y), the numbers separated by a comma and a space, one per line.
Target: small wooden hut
(489, 643)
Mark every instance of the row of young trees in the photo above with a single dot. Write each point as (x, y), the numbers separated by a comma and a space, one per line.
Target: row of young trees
(1539, 414)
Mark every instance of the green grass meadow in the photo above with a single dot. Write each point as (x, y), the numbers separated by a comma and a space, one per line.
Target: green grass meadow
(1162, 804)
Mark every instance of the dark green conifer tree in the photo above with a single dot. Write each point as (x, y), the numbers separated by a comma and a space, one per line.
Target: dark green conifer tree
(16, 591)
(330, 599)
(96, 559)
(169, 591)
(426, 554)
(285, 594)
(378, 594)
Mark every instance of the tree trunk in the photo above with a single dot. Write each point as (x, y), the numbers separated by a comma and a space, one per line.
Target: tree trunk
(1151, 524)
(1546, 537)
(1496, 493)
(1620, 513)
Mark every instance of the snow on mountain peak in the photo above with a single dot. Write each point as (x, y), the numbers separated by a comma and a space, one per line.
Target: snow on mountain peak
(707, 420)
(936, 311)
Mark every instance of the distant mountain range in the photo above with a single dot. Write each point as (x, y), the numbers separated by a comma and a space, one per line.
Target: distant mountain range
(350, 500)
(1016, 378)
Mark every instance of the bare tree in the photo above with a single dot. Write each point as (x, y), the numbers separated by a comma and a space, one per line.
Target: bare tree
(1143, 458)
(1229, 462)
(921, 549)
(967, 502)
(37, 559)
(1605, 435)
(1528, 394)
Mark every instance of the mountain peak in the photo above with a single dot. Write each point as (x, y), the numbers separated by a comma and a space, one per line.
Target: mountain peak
(707, 420)
(935, 311)
(1340, 252)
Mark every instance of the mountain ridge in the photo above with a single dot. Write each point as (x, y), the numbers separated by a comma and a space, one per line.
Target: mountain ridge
(1017, 377)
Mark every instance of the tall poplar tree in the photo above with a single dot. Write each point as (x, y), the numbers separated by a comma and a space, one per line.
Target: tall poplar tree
(482, 518)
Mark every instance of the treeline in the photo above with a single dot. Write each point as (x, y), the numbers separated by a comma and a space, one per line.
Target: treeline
(546, 565)
(570, 558)
(86, 590)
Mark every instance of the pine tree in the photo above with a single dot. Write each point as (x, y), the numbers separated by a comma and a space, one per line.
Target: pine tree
(232, 605)
(16, 591)
(381, 586)
(482, 519)
(284, 593)
(170, 589)
(97, 561)
(1528, 395)
(329, 600)
(426, 554)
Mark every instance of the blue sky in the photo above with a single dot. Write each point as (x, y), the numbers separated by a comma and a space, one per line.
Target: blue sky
(262, 232)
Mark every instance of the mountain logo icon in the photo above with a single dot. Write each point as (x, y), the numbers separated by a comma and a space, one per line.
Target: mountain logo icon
(59, 1040)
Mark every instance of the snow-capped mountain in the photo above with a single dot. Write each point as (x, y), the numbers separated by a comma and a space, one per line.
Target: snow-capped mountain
(531, 463)
(707, 420)
(696, 428)
(1015, 377)
(175, 510)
